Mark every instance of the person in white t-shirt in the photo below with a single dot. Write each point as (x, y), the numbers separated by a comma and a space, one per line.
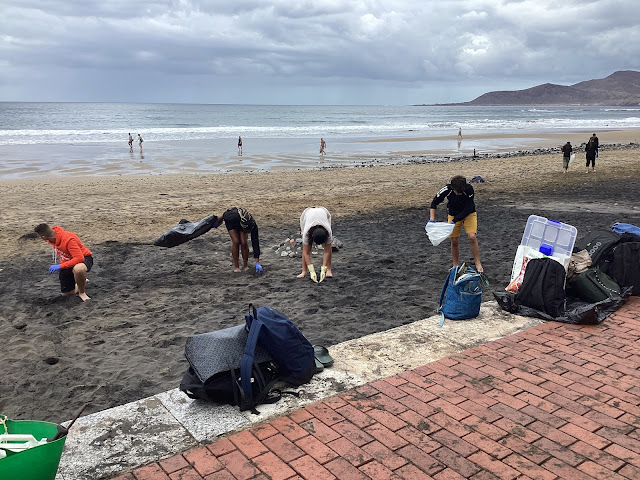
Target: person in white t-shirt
(315, 225)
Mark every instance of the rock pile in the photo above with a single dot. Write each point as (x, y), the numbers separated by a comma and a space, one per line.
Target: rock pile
(292, 247)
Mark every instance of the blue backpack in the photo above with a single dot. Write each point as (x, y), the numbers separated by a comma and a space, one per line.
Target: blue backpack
(461, 294)
(282, 340)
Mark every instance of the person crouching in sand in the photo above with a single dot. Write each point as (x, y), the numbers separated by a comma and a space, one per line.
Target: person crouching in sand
(462, 212)
(315, 225)
(75, 259)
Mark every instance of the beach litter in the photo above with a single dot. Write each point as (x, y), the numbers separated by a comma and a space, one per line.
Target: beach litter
(292, 247)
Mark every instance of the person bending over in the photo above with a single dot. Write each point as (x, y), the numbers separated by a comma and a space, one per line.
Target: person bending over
(240, 224)
(315, 225)
(462, 212)
(75, 259)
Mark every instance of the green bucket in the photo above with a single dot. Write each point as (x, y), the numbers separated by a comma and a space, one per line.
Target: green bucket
(37, 463)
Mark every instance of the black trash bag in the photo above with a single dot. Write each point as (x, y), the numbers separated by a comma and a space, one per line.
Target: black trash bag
(185, 231)
(576, 312)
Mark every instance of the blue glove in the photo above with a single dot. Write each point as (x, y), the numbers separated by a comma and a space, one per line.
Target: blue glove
(216, 224)
(258, 267)
(432, 221)
(54, 268)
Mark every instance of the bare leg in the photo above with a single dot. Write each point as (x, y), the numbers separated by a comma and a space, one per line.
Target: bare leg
(80, 276)
(455, 250)
(475, 251)
(244, 246)
(326, 258)
(235, 249)
(306, 259)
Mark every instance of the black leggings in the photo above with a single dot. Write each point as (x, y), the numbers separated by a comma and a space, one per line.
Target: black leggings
(591, 161)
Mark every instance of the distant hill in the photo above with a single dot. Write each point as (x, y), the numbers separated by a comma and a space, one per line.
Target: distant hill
(620, 88)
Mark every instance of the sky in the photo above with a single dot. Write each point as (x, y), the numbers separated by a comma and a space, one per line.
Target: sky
(322, 52)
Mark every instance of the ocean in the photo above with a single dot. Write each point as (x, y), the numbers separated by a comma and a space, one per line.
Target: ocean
(52, 139)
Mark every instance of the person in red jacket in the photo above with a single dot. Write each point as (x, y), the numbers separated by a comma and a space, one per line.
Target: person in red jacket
(75, 259)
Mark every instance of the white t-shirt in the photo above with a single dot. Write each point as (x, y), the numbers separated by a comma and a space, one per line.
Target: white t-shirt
(311, 217)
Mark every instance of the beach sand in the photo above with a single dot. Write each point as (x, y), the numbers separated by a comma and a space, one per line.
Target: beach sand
(127, 342)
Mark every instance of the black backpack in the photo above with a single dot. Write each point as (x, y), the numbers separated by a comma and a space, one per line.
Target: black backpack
(599, 244)
(215, 360)
(624, 266)
(543, 287)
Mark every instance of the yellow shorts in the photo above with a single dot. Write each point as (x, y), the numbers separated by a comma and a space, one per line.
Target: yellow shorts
(470, 224)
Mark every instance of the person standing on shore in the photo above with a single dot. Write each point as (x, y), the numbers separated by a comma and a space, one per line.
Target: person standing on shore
(566, 155)
(315, 226)
(597, 143)
(239, 146)
(240, 224)
(140, 140)
(460, 134)
(75, 259)
(130, 142)
(462, 212)
(591, 152)
(323, 145)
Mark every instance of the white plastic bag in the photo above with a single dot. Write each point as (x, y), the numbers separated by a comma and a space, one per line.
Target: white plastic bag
(572, 158)
(438, 231)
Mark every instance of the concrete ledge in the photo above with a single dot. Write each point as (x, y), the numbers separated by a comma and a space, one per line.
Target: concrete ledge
(119, 439)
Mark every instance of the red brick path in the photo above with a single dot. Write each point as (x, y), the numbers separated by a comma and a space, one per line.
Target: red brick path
(553, 402)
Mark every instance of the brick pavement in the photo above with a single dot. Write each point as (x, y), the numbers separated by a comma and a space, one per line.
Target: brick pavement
(552, 402)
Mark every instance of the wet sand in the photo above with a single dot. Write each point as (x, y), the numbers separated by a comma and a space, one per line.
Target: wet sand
(128, 341)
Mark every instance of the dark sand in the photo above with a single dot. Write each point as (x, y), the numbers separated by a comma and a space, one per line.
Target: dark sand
(128, 341)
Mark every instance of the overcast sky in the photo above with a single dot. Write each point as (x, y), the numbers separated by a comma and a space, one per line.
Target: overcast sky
(306, 52)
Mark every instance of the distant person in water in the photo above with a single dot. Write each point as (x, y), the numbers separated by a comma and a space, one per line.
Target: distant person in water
(239, 146)
(140, 140)
(130, 142)
(459, 133)
(566, 155)
(240, 224)
(323, 145)
(75, 259)
(315, 226)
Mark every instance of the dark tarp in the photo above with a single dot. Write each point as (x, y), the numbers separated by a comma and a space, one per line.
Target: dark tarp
(577, 311)
(185, 231)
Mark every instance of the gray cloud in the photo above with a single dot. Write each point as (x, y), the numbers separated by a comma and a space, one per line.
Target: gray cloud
(365, 51)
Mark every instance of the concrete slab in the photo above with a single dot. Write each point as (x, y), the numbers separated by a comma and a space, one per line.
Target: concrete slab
(203, 420)
(330, 382)
(407, 347)
(102, 444)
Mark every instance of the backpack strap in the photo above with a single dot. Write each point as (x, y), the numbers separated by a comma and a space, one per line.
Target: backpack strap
(442, 294)
(249, 354)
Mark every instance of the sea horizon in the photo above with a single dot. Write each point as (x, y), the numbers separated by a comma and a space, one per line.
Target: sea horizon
(40, 139)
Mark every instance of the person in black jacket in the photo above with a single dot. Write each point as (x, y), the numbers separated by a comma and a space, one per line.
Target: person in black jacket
(592, 152)
(462, 212)
(566, 155)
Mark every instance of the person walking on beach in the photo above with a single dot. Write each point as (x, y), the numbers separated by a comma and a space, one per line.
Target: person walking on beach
(462, 212)
(591, 152)
(315, 226)
(240, 224)
(130, 142)
(140, 140)
(323, 145)
(239, 146)
(460, 134)
(597, 143)
(75, 259)
(566, 155)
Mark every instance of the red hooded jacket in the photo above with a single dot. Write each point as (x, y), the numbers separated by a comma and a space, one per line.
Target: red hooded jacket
(69, 248)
